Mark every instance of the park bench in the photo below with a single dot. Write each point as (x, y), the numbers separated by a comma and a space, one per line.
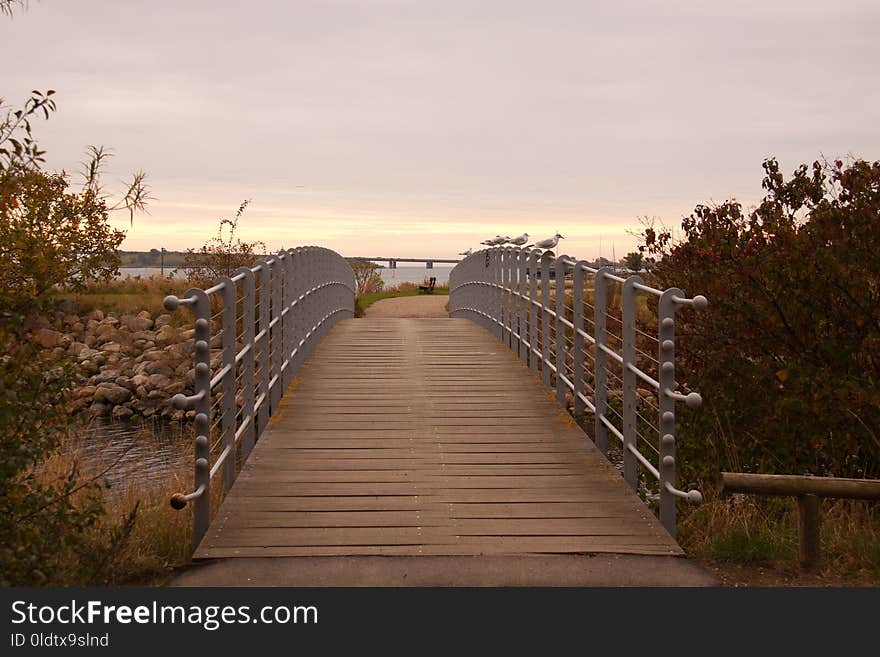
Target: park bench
(808, 490)
(429, 288)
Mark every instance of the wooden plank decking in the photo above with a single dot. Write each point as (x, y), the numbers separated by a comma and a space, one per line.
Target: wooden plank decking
(405, 437)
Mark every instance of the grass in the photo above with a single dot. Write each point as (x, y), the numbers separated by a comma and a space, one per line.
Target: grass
(753, 540)
(139, 539)
(129, 295)
(364, 301)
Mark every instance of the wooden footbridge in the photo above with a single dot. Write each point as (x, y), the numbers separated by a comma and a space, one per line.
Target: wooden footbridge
(413, 440)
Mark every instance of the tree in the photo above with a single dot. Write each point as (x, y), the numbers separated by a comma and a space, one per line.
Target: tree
(367, 277)
(788, 354)
(634, 261)
(51, 236)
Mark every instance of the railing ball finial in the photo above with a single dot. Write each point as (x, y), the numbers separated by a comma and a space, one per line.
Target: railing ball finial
(700, 302)
(179, 401)
(693, 400)
(178, 501)
(171, 303)
(694, 497)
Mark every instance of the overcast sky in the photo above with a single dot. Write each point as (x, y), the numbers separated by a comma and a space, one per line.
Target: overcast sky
(420, 127)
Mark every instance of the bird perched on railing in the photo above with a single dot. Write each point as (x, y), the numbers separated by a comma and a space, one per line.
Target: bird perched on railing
(549, 243)
(519, 241)
(466, 253)
(498, 240)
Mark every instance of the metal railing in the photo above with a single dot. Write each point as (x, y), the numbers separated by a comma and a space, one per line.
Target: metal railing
(252, 332)
(592, 349)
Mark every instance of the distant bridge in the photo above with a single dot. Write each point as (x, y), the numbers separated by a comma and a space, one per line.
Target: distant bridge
(392, 262)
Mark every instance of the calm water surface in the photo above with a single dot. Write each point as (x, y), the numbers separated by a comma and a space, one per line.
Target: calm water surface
(389, 276)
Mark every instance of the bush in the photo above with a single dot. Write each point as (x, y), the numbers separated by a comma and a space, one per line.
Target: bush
(221, 256)
(788, 355)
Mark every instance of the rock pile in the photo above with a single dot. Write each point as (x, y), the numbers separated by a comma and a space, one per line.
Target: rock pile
(131, 364)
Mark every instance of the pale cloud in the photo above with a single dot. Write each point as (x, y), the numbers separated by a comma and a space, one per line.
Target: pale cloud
(412, 126)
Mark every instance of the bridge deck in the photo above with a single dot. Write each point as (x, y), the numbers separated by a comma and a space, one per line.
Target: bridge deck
(425, 437)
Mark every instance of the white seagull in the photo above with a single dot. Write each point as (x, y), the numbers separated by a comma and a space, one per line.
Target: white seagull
(466, 253)
(519, 241)
(549, 243)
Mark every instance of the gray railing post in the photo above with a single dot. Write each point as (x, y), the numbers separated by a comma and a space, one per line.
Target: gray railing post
(522, 288)
(630, 391)
(600, 374)
(505, 300)
(202, 393)
(666, 406)
(534, 343)
(227, 385)
(263, 351)
(578, 354)
(498, 294)
(561, 350)
(287, 319)
(276, 383)
(546, 259)
(248, 360)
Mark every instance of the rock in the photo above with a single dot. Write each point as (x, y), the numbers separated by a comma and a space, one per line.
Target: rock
(162, 320)
(47, 338)
(76, 348)
(139, 379)
(77, 328)
(138, 323)
(96, 315)
(70, 320)
(148, 412)
(85, 392)
(167, 335)
(98, 408)
(141, 392)
(111, 347)
(124, 381)
(158, 381)
(152, 368)
(87, 353)
(107, 375)
(90, 340)
(122, 413)
(112, 393)
(173, 388)
(156, 395)
(188, 334)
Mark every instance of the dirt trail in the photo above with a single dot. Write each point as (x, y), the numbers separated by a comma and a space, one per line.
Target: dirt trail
(425, 305)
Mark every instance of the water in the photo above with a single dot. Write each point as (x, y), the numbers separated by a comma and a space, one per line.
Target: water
(389, 276)
(136, 457)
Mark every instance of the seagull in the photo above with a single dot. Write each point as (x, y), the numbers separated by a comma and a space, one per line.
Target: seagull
(549, 243)
(466, 253)
(498, 240)
(519, 241)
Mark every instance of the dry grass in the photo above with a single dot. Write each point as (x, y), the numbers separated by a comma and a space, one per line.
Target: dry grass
(129, 295)
(139, 539)
(751, 540)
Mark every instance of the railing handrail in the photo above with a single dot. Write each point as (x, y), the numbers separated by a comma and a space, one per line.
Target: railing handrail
(498, 288)
(302, 292)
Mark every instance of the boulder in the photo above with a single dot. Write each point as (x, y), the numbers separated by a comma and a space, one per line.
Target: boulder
(97, 408)
(162, 320)
(76, 348)
(86, 354)
(86, 392)
(167, 335)
(138, 323)
(175, 387)
(112, 393)
(111, 347)
(122, 413)
(106, 376)
(47, 338)
(96, 315)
